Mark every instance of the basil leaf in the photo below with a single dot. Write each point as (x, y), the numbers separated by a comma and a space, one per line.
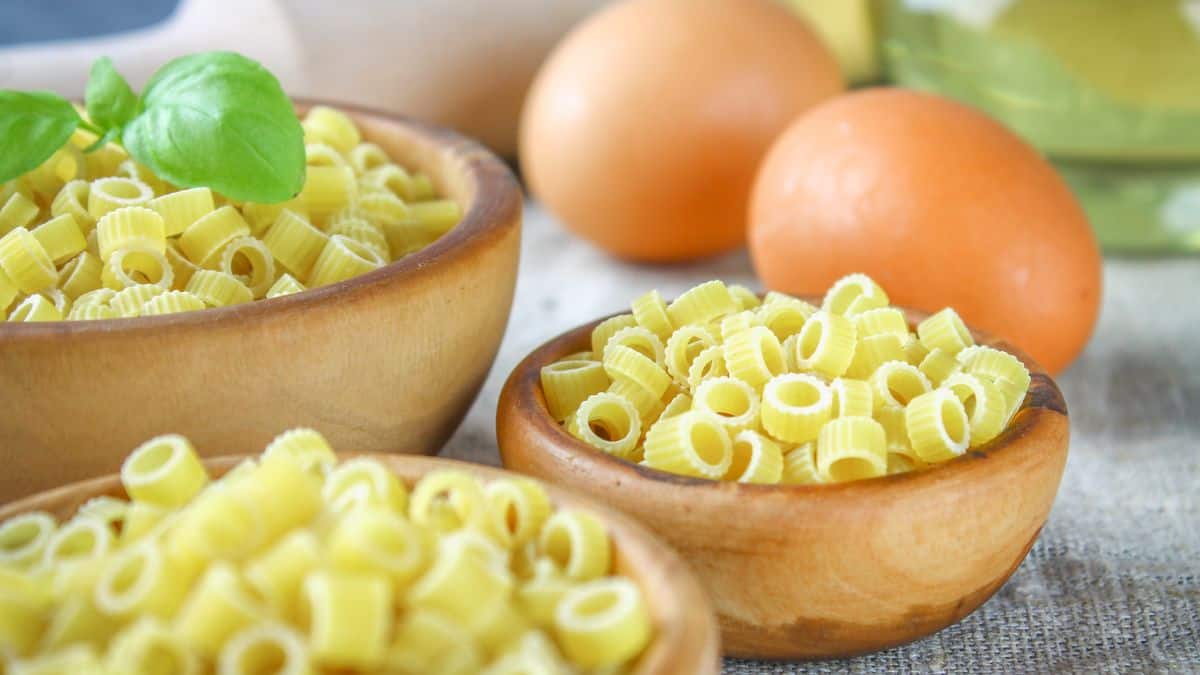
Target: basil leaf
(33, 125)
(110, 101)
(220, 120)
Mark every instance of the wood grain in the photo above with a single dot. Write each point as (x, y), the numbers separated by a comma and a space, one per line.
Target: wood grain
(813, 572)
(686, 640)
(386, 362)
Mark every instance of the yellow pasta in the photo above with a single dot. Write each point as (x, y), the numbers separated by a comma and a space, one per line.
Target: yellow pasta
(286, 284)
(735, 323)
(61, 238)
(140, 580)
(937, 426)
(914, 351)
(708, 363)
(265, 648)
(984, 404)
(278, 573)
(448, 500)
(386, 176)
(647, 405)
(381, 541)
(436, 216)
(785, 317)
(938, 365)
(18, 211)
(464, 560)
(872, 352)
(852, 398)
(363, 232)
(896, 383)
(218, 289)
(800, 465)
(745, 297)
(881, 320)
(827, 344)
(332, 127)
(602, 623)
(204, 240)
(754, 356)
(428, 642)
(367, 156)
(80, 275)
(577, 543)
(72, 200)
(91, 312)
(693, 443)
(179, 210)
(23, 539)
(249, 260)
(328, 189)
(702, 304)
(172, 302)
(362, 482)
(81, 540)
(946, 331)
(25, 262)
(607, 328)
(626, 364)
(129, 301)
(795, 407)
(650, 312)
(608, 422)
(638, 339)
(351, 618)
(136, 263)
(165, 470)
(110, 194)
(682, 348)
(568, 383)
(150, 646)
(734, 402)
(854, 294)
(220, 604)
(341, 259)
(519, 508)
(756, 459)
(35, 308)
(1003, 369)
(851, 448)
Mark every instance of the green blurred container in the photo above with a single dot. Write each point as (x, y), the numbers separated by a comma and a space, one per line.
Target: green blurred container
(1108, 89)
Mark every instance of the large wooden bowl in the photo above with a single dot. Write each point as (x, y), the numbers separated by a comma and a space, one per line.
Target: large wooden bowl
(822, 571)
(687, 640)
(385, 362)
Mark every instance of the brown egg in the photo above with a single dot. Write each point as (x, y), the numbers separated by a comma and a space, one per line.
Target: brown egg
(643, 130)
(942, 206)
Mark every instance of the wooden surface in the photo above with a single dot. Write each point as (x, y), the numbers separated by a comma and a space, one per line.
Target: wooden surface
(1112, 584)
(389, 361)
(823, 571)
(686, 641)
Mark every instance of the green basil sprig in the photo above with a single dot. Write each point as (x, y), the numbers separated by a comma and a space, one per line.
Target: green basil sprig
(216, 120)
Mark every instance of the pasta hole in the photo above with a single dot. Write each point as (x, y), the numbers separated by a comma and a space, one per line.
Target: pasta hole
(969, 404)
(19, 535)
(79, 543)
(601, 429)
(772, 353)
(123, 189)
(559, 547)
(728, 401)
(810, 339)
(128, 575)
(512, 517)
(153, 458)
(851, 468)
(953, 421)
(904, 386)
(709, 442)
(798, 393)
(263, 658)
(597, 604)
(743, 452)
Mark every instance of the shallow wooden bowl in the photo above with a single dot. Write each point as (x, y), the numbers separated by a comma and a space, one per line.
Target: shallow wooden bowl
(822, 571)
(687, 639)
(385, 362)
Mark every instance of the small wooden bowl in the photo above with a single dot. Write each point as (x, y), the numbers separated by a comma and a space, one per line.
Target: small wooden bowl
(821, 571)
(386, 362)
(686, 640)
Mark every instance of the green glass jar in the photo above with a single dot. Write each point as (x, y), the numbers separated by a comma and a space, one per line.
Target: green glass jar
(1108, 89)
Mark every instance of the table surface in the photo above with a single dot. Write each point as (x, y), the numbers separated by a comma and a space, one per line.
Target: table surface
(1112, 585)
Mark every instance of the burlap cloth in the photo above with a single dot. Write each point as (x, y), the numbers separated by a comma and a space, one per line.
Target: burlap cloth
(1112, 585)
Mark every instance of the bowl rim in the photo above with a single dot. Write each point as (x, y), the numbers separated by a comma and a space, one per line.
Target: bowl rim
(493, 209)
(522, 396)
(694, 619)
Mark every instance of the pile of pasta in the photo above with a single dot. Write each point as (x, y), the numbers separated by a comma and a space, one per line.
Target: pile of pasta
(722, 386)
(295, 564)
(98, 236)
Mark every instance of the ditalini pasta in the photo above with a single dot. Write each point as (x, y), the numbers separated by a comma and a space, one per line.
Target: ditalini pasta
(721, 385)
(88, 221)
(294, 564)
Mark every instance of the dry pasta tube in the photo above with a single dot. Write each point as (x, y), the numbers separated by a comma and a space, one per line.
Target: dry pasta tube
(608, 422)
(341, 259)
(129, 301)
(387, 176)
(376, 540)
(1003, 369)
(164, 470)
(519, 508)
(448, 500)
(603, 623)
(826, 344)
(625, 364)
(363, 232)
(350, 618)
(328, 189)
(18, 211)
(286, 284)
(702, 304)
(854, 294)
(872, 352)
(295, 243)
(465, 560)
(35, 308)
(218, 289)
(363, 482)
(756, 459)
(800, 465)
(292, 491)
(80, 275)
(367, 156)
(436, 216)
(577, 543)
(218, 524)
(203, 240)
(23, 538)
(708, 363)
(220, 605)
(640, 340)
(731, 400)
(650, 312)
(914, 351)
(72, 200)
(937, 426)
(647, 405)
(323, 154)
(180, 209)
(76, 621)
(896, 383)
(8, 292)
(61, 238)
(265, 648)
(25, 262)
(137, 263)
(754, 356)
(147, 646)
(140, 580)
(568, 383)
(785, 317)
(734, 324)
(795, 407)
(134, 225)
(278, 573)
(109, 194)
(684, 347)
(428, 642)
(305, 446)
(882, 320)
(946, 331)
(984, 403)
(900, 463)
(745, 297)
(852, 398)
(249, 261)
(693, 443)
(172, 302)
(851, 448)
(938, 365)
(332, 127)
(539, 597)
(83, 539)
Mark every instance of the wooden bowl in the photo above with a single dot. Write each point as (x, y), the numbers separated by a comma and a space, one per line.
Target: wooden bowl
(385, 362)
(686, 640)
(821, 571)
